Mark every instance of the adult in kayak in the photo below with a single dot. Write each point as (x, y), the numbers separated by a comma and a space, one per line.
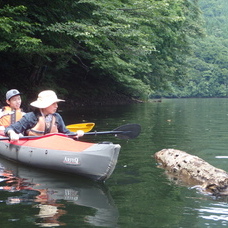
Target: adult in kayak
(43, 120)
(12, 112)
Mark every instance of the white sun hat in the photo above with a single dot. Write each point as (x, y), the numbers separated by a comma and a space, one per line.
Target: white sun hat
(45, 99)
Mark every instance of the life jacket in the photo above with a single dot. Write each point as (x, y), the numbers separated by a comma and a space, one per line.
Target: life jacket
(43, 126)
(11, 116)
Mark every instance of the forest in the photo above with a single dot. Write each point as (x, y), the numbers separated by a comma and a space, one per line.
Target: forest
(93, 50)
(207, 74)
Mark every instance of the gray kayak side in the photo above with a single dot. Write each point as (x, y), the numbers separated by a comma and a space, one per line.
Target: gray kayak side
(96, 162)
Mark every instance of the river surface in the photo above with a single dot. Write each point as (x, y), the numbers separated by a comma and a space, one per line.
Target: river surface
(138, 194)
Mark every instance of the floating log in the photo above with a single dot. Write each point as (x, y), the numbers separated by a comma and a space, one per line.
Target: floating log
(193, 170)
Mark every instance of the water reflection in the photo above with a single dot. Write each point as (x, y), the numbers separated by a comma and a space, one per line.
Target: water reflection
(50, 194)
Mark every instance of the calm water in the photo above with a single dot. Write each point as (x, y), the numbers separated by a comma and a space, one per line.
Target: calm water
(138, 194)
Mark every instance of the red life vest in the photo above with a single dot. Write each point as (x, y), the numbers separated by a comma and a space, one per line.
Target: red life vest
(10, 116)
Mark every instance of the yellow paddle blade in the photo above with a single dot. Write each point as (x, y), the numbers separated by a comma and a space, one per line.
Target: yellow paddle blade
(86, 127)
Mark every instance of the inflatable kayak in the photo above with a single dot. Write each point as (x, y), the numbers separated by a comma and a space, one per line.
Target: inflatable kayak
(60, 153)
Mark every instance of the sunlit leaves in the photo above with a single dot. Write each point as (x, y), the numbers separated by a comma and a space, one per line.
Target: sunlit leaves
(140, 44)
(208, 75)
(14, 32)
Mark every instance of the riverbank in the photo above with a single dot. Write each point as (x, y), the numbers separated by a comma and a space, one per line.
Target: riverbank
(107, 99)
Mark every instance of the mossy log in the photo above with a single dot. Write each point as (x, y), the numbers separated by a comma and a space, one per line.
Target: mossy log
(193, 170)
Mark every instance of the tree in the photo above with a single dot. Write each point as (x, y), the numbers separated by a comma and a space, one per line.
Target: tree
(208, 66)
(132, 46)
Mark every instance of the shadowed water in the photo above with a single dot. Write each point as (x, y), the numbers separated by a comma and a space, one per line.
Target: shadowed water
(138, 194)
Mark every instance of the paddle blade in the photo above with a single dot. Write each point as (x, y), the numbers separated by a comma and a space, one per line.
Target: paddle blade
(86, 127)
(128, 131)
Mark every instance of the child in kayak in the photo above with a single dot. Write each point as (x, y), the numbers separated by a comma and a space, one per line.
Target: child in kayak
(12, 112)
(42, 120)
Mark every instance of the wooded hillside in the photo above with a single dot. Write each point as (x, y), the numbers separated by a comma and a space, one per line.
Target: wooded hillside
(85, 49)
(208, 64)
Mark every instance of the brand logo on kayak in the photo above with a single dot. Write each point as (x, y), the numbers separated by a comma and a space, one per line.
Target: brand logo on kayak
(71, 161)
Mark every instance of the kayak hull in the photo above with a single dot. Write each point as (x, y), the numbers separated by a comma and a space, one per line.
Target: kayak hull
(96, 161)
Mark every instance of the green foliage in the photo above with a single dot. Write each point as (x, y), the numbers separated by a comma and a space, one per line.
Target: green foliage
(132, 46)
(15, 33)
(208, 72)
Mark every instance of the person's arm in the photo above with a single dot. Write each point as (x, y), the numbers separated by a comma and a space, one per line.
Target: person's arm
(62, 127)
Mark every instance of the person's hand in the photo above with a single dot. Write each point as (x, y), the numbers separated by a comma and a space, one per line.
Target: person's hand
(79, 133)
(13, 135)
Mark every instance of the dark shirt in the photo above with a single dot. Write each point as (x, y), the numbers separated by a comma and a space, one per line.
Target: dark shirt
(30, 119)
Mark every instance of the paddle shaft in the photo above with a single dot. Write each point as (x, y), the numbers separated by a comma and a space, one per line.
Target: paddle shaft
(71, 135)
(105, 132)
(128, 131)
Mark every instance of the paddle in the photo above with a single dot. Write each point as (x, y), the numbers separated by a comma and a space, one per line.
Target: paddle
(128, 131)
(86, 127)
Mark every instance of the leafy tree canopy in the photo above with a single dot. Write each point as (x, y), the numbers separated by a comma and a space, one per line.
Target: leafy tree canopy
(132, 47)
(208, 66)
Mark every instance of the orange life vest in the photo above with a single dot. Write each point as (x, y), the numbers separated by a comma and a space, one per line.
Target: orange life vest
(9, 118)
(43, 126)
